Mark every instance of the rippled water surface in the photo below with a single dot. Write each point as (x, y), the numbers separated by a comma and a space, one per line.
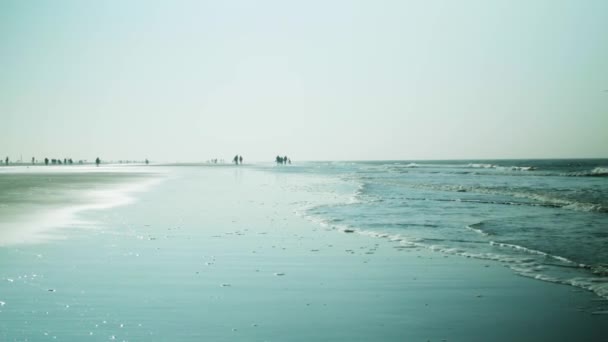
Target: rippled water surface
(546, 219)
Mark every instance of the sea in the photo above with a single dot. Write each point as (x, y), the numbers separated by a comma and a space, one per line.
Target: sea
(545, 219)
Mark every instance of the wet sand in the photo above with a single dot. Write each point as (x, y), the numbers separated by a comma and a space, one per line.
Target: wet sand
(218, 254)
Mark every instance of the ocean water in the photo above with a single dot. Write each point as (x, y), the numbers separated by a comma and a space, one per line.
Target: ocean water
(545, 219)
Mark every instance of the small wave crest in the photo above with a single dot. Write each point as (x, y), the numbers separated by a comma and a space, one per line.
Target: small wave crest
(501, 168)
(522, 168)
(533, 251)
(596, 172)
(539, 199)
(476, 228)
(481, 166)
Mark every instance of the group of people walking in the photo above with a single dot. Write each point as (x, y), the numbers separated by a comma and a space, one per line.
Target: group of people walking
(282, 160)
(279, 160)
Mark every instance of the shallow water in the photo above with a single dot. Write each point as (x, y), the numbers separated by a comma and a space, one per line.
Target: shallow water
(217, 254)
(546, 219)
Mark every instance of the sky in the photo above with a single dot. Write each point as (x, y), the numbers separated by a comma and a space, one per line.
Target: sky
(314, 80)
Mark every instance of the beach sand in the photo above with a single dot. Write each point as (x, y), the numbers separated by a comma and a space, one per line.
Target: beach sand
(218, 254)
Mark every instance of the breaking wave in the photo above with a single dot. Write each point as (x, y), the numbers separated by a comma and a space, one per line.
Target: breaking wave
(597, 172)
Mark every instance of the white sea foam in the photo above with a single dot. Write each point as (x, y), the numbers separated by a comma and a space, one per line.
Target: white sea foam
(533, 251)
(522, 168)
(477, 230)
(482, 166)
(600, 171)
(356, 197)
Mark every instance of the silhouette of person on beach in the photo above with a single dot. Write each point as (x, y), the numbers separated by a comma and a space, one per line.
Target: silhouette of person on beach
(236, 159)
(97, 161)
(241, 160)
(46, 161)
(6, 161)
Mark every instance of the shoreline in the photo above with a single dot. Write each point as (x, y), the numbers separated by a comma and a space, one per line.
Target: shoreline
(218, 253)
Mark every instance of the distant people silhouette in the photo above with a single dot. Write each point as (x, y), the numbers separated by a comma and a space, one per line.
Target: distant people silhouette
(241, 159)
(236, 159)
(282, 160)
(46, 161)
(97, 161)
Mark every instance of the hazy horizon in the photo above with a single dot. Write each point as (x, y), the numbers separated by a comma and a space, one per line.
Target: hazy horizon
(344, 80)
(228, 161)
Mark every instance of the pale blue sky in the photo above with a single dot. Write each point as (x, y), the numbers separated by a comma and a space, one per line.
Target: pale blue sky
(192, 80)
